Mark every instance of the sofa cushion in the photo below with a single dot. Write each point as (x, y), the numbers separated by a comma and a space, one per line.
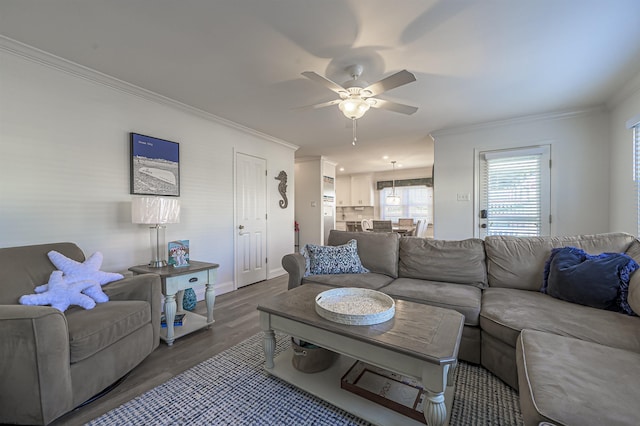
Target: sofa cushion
(91, 331)
(572, 382)
(462, 298)
(518, 262)
(461, 262)
(341, 259)
(370, 280)
(600, 281)
(505, 312)
(378, 251)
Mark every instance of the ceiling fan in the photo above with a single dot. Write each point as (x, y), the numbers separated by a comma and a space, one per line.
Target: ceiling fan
(357, 96)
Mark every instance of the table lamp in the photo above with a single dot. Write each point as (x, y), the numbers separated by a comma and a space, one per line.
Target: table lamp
(156, 211)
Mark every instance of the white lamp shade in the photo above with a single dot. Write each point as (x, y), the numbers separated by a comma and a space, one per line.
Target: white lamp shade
(155, 210)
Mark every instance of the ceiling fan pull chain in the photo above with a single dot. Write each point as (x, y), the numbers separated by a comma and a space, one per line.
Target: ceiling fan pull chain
(355, 127)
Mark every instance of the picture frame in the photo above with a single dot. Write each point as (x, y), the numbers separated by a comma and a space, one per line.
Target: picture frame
(178, 253)
(155, 166)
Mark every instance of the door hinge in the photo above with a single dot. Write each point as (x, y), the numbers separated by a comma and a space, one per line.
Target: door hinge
(266, 260)
(550, 218)
(265, 173)
(266, 216)
(549, 162)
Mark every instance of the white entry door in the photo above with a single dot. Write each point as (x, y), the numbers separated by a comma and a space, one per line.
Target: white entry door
(251, 219)
(515, 192)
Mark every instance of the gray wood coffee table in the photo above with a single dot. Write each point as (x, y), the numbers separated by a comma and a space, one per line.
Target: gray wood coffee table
(420, 341)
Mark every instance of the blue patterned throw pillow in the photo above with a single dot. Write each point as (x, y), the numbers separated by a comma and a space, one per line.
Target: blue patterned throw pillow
(600, 281)
(334, 259)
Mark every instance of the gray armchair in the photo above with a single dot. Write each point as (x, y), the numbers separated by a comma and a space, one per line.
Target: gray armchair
(51, 361)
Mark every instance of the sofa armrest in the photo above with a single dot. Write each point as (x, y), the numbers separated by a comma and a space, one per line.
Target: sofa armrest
(35, 368)
(145, 287)
(295, 265)
(633, 297)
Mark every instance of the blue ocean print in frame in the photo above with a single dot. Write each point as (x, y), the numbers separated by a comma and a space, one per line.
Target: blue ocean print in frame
(155, 166)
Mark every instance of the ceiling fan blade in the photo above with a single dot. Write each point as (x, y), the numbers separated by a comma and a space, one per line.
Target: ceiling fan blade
(398, 79)
(325, 82)
(392, 106)
(321, 105)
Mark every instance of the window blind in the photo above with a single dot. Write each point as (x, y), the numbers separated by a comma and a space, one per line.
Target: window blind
(513, 194)
(415, 202)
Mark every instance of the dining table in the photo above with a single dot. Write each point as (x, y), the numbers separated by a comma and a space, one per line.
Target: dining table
(404, 229)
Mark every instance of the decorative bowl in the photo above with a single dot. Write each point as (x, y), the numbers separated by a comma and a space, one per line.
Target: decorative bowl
(355, 306)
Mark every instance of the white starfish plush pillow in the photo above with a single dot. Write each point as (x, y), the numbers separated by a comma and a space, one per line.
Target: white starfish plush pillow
(60, 294)
(88, 270)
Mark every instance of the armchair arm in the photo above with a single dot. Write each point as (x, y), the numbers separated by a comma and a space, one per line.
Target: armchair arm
(145, 287)
(294, 264)
(35, 368)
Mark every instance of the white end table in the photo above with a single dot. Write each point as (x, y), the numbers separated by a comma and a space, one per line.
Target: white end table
(175, 281)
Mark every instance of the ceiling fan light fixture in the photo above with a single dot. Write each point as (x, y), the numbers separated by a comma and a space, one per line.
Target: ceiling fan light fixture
(354, 107)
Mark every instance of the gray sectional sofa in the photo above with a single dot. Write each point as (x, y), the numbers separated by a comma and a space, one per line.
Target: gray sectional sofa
(495, 283)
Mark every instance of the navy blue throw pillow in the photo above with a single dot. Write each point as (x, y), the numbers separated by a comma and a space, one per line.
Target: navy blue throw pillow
(600, 281)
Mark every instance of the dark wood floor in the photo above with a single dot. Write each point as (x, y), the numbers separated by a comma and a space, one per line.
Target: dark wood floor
(236, 319)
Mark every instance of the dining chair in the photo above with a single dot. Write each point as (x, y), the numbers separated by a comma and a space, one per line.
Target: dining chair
(421, 229)
(405, 222)
(416, 229)
(366, 225)
(382, 226)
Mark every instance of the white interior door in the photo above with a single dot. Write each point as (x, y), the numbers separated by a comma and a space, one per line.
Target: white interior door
(251, 219)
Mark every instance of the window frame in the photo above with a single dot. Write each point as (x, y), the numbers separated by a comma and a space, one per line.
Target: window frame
(636, 171)
(406, 207)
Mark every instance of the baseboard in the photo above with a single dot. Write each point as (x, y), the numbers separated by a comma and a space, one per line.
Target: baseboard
(220, 288)
(276, 273)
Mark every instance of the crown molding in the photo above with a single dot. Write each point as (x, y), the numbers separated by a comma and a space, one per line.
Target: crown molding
(557, 115)
(41, 57)
(309, 158)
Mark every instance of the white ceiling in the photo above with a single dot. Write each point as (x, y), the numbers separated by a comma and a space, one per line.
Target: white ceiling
(475, 60)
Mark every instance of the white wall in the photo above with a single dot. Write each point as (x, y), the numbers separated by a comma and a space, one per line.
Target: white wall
(622, 189)
(579, 176)
(64, 139)
(308, 203)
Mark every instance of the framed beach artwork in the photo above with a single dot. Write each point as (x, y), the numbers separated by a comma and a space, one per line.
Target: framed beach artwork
(155, 166)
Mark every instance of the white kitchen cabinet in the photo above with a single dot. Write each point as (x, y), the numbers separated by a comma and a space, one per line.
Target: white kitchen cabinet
(362, 190)
(343, 191)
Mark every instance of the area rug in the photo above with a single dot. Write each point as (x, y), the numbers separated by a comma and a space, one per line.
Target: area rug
(232, 388)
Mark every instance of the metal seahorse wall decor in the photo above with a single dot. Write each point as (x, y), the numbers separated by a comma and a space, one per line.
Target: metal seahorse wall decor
(282, 188)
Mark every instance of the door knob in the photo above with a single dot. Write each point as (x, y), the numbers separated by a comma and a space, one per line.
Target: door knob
(241, 227)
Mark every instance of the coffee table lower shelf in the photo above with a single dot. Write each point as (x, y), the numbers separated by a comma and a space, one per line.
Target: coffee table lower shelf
(326, 385)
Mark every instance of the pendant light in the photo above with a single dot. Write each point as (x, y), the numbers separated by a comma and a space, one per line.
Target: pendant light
(393, 199)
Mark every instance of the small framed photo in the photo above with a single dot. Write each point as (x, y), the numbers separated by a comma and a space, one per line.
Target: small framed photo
(179, 253)
(155, 166)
